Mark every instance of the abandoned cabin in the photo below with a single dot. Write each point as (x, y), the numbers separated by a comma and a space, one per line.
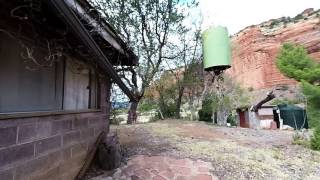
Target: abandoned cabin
(56, 70)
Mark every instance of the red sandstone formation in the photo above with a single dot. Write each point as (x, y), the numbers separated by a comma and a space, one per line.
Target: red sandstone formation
(255, 48)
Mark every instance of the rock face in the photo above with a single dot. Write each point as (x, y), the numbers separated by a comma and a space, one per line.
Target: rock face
(255, 48)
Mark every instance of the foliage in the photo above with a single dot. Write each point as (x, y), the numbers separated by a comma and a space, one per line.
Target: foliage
(224, 96)
(118, 111)
(232, 120)
(274, 23)
(285, 101)
(294, 62)
(146, 106)
(298, 17)
(115, 119)
(205, 113)
(168, 110)
(300, 139)
(148, 27)
(315, 140)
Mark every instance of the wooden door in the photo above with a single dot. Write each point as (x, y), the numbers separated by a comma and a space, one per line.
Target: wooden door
(242, 119)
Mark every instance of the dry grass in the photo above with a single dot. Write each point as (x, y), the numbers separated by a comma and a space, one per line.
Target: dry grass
(235, 153)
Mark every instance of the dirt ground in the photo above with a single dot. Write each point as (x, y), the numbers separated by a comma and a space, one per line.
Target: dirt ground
(235, 153)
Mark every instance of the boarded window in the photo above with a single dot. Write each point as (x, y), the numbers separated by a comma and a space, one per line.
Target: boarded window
(24, 87)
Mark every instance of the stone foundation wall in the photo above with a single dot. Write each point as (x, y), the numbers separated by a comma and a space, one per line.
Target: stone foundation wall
(51, 146)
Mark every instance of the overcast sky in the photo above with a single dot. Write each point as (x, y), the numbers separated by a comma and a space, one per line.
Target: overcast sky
(238, 14)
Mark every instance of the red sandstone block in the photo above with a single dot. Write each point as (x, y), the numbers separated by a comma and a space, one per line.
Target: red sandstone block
(181, 170)
(158, 178)
(75, 162)
(162, 167)
(142, 173)
(44, 129)
(16, 153)
(182, 178)
(98, 119)
(48, 174)
(61, 126)
(8, 136)
(202, 177)
(71, 138)
(66, 153)
(157, 159)
(86, 133)
(37, 165)
(203, 169)
(27, 132)
(80, 123)
(178, 162)
(17, 122)
(168, 174)
(48, 145)
(80, 148)
(7, 174)
(202, 163)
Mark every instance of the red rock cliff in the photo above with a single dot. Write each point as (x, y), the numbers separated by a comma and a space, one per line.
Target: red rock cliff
(255, 48)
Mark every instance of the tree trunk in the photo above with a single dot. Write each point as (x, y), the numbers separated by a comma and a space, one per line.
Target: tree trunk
(178, 104)
(132, 113)
(269, 97)
(222, 116)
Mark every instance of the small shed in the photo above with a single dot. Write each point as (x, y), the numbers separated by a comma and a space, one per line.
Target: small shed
(262, 119)
(293, 116)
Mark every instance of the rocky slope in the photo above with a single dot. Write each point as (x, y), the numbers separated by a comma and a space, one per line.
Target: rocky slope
(255, 48)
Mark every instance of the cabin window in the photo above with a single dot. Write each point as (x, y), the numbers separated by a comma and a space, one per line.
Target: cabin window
(26, 87)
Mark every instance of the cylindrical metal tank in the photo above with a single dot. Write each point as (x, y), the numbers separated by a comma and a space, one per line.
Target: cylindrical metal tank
(216, 49)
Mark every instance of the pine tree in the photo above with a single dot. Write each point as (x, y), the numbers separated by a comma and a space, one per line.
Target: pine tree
(294, 62)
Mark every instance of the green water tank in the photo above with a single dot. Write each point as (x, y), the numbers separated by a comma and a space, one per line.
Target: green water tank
(216, 49)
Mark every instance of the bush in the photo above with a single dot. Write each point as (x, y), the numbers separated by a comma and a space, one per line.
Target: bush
(205, 115)
(299, 138)
(315, 140)
(285, 101)
(298, 17)
(146, 106)
(232, 120)
(168, 110)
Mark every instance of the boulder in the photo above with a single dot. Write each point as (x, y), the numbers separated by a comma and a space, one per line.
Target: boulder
(109, 152)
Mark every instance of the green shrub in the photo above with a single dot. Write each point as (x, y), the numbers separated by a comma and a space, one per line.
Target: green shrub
(232, 120)
(168, 110)
(146, 106)
(300, 139)
(274, 23)
(285, 101)
(298, 17)
(315, 140)
(205, 115)
(250, 89)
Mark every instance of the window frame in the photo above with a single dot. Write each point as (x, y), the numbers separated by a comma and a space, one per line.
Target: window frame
(62, 111)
